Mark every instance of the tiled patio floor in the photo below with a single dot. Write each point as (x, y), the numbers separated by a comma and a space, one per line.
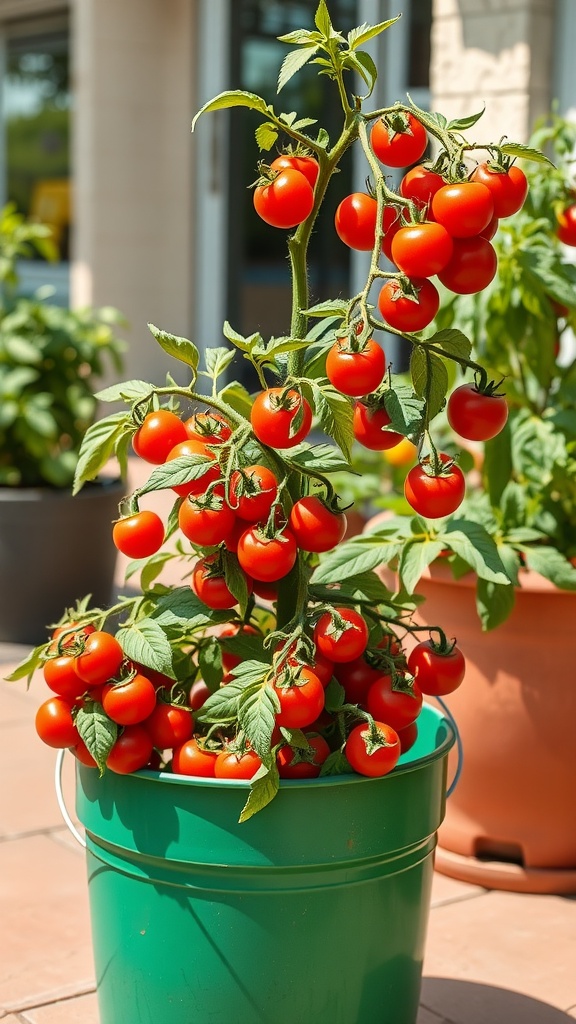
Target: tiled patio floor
(492, 957)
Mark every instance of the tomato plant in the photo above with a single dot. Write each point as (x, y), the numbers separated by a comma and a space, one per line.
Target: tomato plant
(139, 535)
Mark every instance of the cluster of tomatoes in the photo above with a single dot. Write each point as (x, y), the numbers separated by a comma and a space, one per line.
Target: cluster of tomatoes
(155, 722)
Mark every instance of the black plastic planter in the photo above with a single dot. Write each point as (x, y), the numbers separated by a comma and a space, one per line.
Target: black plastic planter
(54, 549)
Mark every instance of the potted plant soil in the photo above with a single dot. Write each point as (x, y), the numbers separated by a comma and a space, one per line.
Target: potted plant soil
(509, 823)
(50, 359)
(258, 769)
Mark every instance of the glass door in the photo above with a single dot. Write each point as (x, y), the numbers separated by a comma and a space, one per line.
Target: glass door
(36, 104)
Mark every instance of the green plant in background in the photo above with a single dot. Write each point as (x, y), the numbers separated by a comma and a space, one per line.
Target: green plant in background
(50, 358)
(524, 494)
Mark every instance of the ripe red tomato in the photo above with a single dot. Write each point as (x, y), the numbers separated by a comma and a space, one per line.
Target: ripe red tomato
(509, 188)
(60, 675)
(267, 558)
(397, 707)
(436, 673)
(566, 227)
(472, 266)
(286, 201)
(253, 491)
(83, 754)
(465, 208)
(190, 758)
(159, 432)
(301, 701)
(372, 759)
(355, 221)
(307, 165)
(356, 677)
(435, 496)
(294, 763)
(131, 751)
(355, 372)
(55, 725)
(370, 428)
(67, 635)
(139, 535)
(409, 311)
(419, 184)
(198, 695)
(229, 765)
(169, 725)
(474, 415)
(280, 418)
(210, 585)
(422, 250)
(206, 522)
(398, 140)
(100, 660)
(200, 484)
(229, 660)
(408, 737)
(316, 527)
(341, 643)
(130, 701)
(210, 427)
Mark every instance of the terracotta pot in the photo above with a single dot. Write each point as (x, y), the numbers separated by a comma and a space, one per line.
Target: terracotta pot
(511, 820)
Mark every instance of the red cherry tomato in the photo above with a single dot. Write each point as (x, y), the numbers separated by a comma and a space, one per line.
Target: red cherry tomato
(435, 496)
(198, 695)
(253, 491)
(370, 755)
(353, 372)
(294, 763)
(408, 737)
(210, 585)
(472, 266)
(307, 165)
(409, 311)
(206, 523)
(286, 201)
(139, 535)
(435, 672)
(566, 226)
(190, 758)
(169, 725)
(356, 676)
(280, 419)
(508, 188)
(476, 416)
(267, 558)
(55, 725)
(200, 483)
(422, 250)
(100, 660)
(229, 765)
(370, 428)
(159, 432)
(419, 184)
(464, 209)
(300, 702)
(316, 527)
(131, 751)
(341, 642)
(397, 707)
(131, 701)
(209, 427)
(398, 140)
(60, 675)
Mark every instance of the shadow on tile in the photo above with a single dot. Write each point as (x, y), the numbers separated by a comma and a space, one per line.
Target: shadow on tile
(468, 1002)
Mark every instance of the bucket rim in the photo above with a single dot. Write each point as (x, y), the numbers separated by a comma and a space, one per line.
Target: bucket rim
(405, 765)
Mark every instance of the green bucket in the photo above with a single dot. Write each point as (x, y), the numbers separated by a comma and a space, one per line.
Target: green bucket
(314, 911)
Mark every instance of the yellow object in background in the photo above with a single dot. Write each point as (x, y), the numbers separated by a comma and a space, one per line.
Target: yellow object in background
(51, 205)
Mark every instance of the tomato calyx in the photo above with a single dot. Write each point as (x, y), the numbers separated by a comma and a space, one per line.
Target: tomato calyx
(442, 646)
(489, 388)
(437, 464)
(397, 122)
(374, 738)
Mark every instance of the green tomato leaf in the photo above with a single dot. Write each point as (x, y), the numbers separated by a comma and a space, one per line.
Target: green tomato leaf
(178, 471)
(551, 564)
(525, 152)
(471, 542)
(28, 666)
(363, 33)
(217, 361)
(210, 663)
(263, 788)
(233, 98)
(494, 603)
(99, 444)
(416, 556)
(360, 555)
(317, 458)
(180, 608)
(146, 642)
(127, 391)
(266, 135)
(335, 413)
(257, 717)
(430, 379)
(97, 730)
(363, 64)
(293, 61)
(453, 342)
(179, 348)
(460, 124)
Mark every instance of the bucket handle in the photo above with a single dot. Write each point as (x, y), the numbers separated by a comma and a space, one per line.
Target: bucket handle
(460, 753)
(62, 802)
